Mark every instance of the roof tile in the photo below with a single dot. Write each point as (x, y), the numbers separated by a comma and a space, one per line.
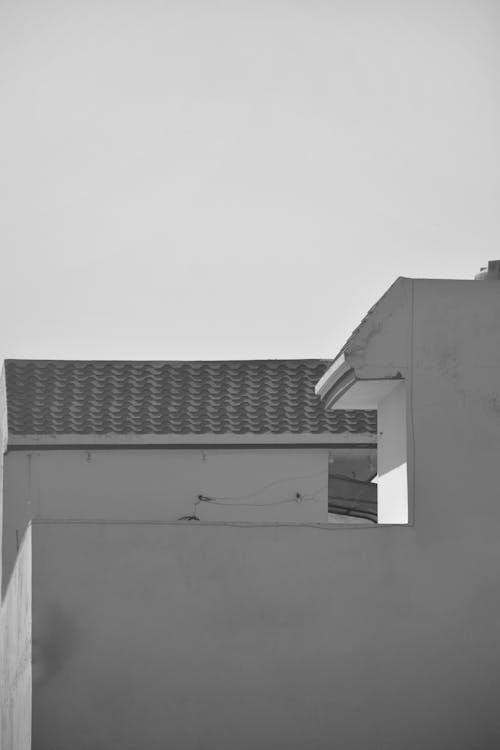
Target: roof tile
(233, 397)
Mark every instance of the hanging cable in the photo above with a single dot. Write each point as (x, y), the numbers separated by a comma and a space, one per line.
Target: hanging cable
(299, 497)
(272, 484)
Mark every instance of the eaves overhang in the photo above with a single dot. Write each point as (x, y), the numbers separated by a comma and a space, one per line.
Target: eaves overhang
(336, 381)
(341, 388)
(374, 360)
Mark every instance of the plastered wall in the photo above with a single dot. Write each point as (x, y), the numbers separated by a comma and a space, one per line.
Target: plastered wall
(15, 655)
(200, 637)
(251, 485)
(277, 637)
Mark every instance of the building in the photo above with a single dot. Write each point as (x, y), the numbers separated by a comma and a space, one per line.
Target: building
(280, 633)
(241, 441)
(156, 443)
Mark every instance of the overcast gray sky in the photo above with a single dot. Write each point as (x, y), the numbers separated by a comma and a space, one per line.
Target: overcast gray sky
(213, 179)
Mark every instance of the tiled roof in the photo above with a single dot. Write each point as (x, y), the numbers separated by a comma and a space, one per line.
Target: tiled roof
(235, 397)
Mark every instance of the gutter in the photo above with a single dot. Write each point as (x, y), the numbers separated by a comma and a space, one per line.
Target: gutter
(339, 370)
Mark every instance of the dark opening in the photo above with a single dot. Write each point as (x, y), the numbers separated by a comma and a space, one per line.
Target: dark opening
(352, 497)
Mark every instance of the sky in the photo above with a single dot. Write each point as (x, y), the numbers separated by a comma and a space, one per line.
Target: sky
(237, 179)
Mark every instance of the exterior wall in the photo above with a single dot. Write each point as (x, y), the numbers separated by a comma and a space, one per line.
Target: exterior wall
(454, 399)
(200, 636)
(3, 448)
(162, 485)
(278, 637)
(15, 655)
(391, 458)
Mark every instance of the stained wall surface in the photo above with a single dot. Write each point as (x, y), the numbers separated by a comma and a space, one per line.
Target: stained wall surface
(15, 655)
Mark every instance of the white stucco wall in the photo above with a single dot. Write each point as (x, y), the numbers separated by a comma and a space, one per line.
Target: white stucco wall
(291, 637)
(392, 493)
(15, 655)
(280, 637)
(287, 637)
(253, 485)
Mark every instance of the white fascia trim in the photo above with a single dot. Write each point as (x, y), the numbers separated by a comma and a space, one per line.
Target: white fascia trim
(366, 394)
(334, 373)
(114, 440)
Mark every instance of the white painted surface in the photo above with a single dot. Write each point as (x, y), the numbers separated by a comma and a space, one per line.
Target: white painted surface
(392, 495)
(199, 636)
(365, 394)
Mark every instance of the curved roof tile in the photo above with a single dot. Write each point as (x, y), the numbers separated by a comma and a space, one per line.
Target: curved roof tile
(233, 397)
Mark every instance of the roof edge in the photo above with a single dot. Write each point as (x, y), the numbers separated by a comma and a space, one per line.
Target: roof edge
(277, 360)
(114, 440)
(365, 318)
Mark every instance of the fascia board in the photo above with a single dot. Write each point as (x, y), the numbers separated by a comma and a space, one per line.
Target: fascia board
(334, 373)
(152, 441)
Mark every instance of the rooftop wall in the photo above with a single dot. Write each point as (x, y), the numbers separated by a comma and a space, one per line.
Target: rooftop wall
(184, 636)
(162, 485)
(222, 637)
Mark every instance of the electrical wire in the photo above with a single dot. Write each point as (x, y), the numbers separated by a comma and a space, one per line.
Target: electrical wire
(298, 499)
(237, 502)
(272, 484)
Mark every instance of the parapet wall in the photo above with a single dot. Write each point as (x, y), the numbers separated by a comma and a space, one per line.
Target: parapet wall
(284, 637)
